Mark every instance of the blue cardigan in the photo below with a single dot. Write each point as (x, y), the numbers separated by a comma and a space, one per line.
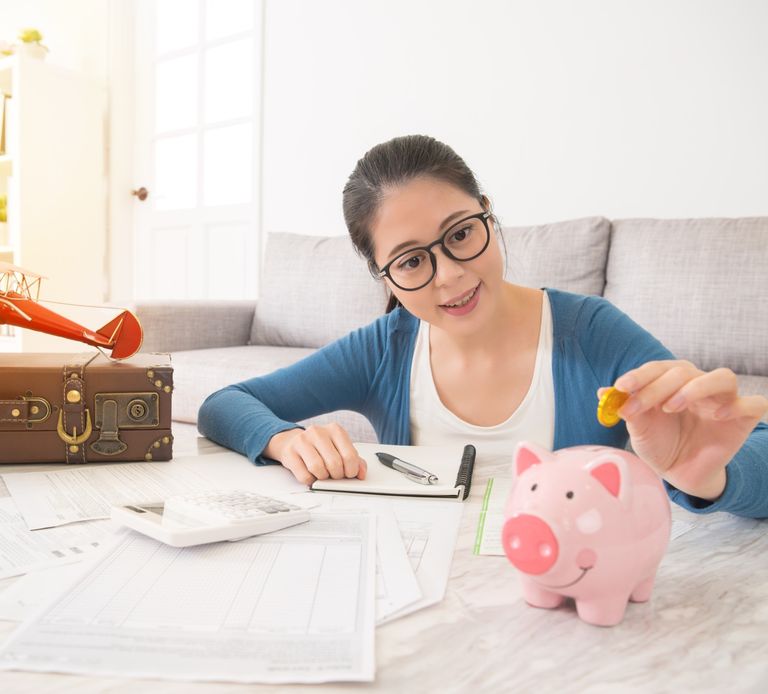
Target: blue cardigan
(368, 371)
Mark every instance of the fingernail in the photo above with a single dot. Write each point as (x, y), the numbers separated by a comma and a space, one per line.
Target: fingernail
(674, 404)
(626, 384)
(630, 408)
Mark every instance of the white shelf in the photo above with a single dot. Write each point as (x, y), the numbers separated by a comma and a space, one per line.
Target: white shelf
(52, 173)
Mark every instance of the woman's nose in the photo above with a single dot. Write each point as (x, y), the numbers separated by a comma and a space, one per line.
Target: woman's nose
(447, 269)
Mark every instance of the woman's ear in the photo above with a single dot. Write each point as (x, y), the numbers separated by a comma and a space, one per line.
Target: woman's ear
(485, 202)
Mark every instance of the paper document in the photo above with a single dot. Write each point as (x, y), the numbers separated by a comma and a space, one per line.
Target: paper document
(23, 550)
(296, 605)
(396, 583)
(48, 499)
(429, 531)
(29, 593)
(488, 535)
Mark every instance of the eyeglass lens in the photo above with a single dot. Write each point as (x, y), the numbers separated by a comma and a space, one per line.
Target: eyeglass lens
(414, 269)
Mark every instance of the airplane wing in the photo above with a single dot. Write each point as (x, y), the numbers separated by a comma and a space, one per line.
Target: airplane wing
(7, 267)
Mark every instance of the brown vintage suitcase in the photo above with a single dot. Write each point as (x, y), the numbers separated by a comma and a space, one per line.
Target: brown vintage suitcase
(84, 408)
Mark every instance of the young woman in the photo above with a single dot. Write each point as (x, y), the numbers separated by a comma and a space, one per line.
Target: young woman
(466, 356)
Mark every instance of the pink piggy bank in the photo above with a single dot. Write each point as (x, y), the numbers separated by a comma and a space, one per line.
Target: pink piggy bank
(589, 523)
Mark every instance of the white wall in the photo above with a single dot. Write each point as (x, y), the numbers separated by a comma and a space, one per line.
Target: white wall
(73, 30)
(563, 108)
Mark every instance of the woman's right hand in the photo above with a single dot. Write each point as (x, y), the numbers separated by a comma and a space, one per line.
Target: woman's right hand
(317, 453)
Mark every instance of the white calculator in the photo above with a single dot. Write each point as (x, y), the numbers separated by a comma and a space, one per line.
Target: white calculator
(209, 516)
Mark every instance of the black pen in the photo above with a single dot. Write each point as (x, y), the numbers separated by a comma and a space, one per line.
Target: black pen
(411, 471)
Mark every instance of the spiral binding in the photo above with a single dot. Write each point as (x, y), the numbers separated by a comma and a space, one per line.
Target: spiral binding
(464, 478)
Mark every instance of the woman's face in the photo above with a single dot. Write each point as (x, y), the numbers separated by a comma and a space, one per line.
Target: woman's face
(462, 295)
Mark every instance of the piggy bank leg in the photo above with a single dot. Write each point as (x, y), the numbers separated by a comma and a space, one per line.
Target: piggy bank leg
(537, 596)
(603, 612)
(642, 591)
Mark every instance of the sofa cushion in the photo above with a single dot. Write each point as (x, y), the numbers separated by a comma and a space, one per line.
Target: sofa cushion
(565, 255)
(699, 285)
(198, 373)
(313, 290)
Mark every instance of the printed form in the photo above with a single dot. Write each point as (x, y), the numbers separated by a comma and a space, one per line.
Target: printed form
(48, 499)
(428, 532)
(295, 605)
(23, 550)
(396, 583)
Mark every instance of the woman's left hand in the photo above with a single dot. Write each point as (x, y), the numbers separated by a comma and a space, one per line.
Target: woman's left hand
(687, 424)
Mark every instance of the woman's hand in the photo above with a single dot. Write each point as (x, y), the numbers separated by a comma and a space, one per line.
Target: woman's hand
(317, 453)
(687, 424)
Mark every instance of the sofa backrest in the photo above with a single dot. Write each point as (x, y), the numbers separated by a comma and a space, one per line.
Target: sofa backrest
(313, 290)
(699, 285)
(570, 256)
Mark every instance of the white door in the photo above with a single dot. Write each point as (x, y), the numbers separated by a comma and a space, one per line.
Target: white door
(197, 143)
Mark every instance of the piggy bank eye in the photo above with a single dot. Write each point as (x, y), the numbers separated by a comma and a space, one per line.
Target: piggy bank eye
(533, 488)
(569, 495)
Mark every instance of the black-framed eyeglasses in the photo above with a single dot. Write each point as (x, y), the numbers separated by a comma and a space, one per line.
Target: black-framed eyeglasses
(414, 269)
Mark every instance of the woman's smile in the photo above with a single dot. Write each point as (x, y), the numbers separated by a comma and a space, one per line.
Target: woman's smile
(462, 304)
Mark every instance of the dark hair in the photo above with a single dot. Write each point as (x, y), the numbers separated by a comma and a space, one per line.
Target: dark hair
(392, 164)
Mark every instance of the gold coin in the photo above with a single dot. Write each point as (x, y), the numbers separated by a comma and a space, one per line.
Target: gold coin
(609, 406)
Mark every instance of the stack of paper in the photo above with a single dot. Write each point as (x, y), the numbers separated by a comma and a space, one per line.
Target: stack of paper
(298, 605)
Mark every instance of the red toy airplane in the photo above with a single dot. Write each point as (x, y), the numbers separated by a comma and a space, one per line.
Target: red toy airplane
(19, 291)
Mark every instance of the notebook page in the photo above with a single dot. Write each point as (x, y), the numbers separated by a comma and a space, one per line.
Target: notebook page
(443, 461)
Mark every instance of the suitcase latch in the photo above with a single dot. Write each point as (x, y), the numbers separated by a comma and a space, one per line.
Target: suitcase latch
(108, 442)
(115, 411)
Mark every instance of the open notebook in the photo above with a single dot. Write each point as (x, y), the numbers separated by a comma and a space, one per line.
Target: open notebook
(452, 464)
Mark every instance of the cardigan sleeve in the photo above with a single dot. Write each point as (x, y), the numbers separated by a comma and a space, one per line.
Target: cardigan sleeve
(246, 415)
(629, 346)
(746, 486)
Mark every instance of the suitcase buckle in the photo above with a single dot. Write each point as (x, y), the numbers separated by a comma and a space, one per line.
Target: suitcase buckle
(73, 439)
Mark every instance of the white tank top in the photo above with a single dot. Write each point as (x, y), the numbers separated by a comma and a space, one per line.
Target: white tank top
(433, 424)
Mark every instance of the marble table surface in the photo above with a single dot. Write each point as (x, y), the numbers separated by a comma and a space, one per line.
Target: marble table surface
(704, 630)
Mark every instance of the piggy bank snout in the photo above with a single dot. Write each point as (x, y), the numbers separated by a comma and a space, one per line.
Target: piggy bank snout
(529, 544)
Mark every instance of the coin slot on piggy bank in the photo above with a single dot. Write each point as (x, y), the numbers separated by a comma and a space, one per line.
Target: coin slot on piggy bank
(589, 523)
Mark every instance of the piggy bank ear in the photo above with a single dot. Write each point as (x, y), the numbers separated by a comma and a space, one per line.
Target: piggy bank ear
(612, 473)
(527, 454)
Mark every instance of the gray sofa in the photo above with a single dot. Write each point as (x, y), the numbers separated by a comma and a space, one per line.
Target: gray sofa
(699, 285)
